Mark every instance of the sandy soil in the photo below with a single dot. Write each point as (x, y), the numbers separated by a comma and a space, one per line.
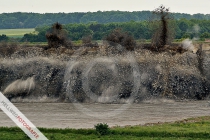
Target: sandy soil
(63, 115)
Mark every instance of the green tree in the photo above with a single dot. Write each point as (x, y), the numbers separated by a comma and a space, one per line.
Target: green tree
(4, 38)
(183, 25)
(205, 35)
(186, 35)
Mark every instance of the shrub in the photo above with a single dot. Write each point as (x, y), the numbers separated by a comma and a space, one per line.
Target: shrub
(102, 128)
(4, 38)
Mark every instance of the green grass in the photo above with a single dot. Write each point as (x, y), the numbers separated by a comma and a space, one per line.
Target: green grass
(190, 129)
(16, 33)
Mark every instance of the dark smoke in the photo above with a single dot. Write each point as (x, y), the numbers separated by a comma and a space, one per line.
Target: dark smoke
(117, 36)
(7, 49)
(162, 27)
(87, 41)
(163, 13)
(57, 37)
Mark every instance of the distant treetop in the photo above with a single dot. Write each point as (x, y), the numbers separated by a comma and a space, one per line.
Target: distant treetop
(32, 20)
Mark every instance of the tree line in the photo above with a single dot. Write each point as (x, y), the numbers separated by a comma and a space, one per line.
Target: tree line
(32, 20)
(183, 28)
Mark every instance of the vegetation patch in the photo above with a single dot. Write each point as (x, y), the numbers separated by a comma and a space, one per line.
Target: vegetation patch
(17, 33)
(193, 128)
(102, 128)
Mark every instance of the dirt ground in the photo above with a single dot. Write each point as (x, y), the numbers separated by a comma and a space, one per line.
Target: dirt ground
(68, 115)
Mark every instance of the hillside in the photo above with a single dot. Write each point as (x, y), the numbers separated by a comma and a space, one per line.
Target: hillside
(32, 20)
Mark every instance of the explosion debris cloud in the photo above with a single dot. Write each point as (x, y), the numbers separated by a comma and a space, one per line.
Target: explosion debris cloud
(161, 35)
(20, 86)
(57, 37)
(188, 45)
(113, 79)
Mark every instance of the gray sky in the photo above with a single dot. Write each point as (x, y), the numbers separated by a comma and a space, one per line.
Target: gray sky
(67, 6)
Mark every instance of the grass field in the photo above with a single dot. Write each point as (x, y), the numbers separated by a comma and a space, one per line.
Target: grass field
(16, 33)
(189, 129)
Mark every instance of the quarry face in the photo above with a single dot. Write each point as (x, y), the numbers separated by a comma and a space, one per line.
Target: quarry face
(97, 77)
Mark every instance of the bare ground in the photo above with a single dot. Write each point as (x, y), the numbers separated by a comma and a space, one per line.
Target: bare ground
(68, 115)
